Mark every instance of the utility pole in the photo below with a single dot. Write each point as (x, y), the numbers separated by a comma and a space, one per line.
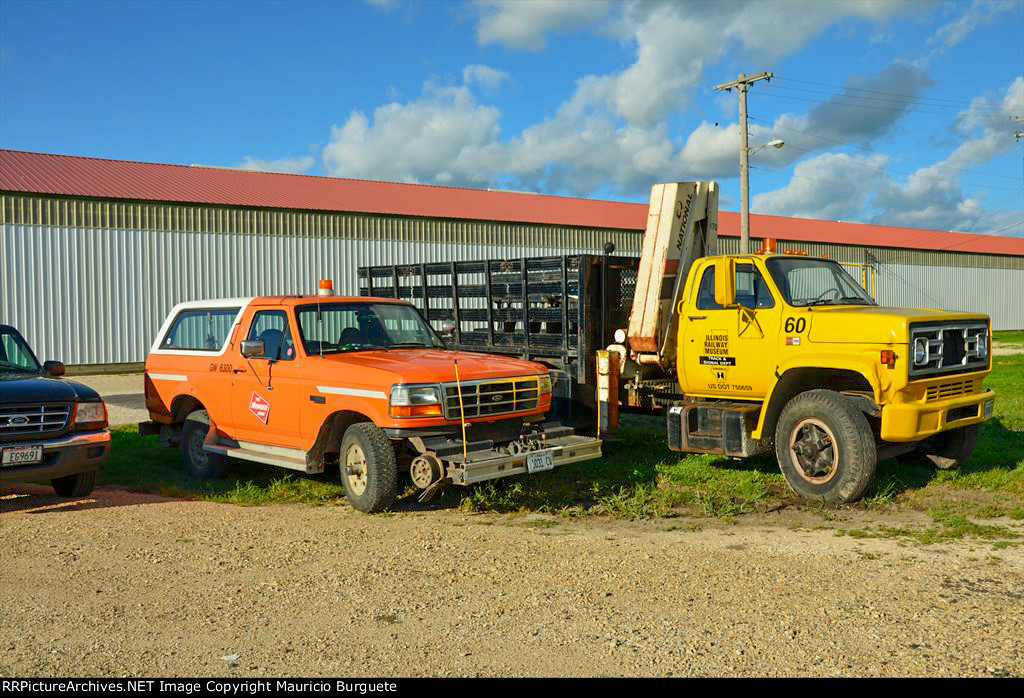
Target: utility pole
(1019, 134)
(743, 84)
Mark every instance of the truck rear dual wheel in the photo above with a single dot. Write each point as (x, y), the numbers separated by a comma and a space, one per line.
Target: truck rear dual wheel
(77, 485)
(368, 468)
(825, 447)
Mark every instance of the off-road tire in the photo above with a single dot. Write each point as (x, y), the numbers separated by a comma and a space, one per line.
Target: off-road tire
(77, 485)
(955, 448)
(825, 417)
(199, 463)
(376, 475)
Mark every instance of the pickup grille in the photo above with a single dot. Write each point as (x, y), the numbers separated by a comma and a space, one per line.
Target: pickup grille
(34, 420)
(948, 349)
(491, 398)
(948, 390)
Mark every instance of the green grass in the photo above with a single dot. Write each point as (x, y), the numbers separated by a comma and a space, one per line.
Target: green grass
(949, 526)
(1009, 337)
(638, 477)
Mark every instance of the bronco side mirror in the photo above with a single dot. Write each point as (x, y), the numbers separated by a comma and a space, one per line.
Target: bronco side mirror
(252, 347)
(448, 328)
(725, 282)
(54, 368)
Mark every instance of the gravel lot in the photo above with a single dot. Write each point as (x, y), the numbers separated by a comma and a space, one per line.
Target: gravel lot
(137, 585)
(126, 403)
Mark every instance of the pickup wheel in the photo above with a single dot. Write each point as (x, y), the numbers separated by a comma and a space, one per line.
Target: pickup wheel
(825, 447)
(369, 471)
(77, 485)
(957, 445)
(199, 463)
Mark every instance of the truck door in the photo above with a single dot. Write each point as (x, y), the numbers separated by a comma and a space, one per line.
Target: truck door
(730, 352)
(266, 392)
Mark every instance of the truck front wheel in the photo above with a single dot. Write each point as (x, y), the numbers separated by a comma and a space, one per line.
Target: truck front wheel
(368, 468)
(825, 447)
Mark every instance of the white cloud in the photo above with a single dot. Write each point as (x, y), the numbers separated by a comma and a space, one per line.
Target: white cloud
(522, 24)
(296, 165)
(978, 14)
(484, 76)
(931, 198)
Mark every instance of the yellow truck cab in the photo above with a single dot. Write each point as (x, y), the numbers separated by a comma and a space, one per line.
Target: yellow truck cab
(794, 349)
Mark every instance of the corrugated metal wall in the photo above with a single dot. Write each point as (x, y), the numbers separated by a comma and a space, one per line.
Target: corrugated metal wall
(89, 282)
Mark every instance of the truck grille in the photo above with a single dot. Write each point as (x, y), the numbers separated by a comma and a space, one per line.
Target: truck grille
(948, 348)
(490, 398)
(948, 390)
(33, 420)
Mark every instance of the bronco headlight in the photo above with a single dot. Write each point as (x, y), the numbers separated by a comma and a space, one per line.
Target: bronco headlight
(416, 401)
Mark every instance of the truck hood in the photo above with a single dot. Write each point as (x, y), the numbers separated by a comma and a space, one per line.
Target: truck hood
(21, 388)
(420, 366)
(874, 324)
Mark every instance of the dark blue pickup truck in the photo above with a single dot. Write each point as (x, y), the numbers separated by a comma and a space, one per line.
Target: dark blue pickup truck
(50, 428)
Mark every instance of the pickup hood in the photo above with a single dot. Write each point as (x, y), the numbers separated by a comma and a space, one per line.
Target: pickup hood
(386, 368)
(875, 324)
(20, 389)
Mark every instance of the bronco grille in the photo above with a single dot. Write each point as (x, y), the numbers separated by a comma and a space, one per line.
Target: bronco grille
(948, 349)
(490, 398)
(34, 420)
(948, 390)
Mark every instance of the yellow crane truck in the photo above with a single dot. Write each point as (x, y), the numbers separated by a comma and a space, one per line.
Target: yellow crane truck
(786, 349)
(743, 353)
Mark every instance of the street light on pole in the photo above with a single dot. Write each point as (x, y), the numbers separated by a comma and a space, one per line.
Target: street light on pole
(743, 84)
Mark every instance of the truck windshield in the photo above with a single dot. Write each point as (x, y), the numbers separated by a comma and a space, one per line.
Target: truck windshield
(332, 328)
(805, 281)
(15, 356)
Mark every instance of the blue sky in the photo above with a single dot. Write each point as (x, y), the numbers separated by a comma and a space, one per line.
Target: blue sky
(897, 113)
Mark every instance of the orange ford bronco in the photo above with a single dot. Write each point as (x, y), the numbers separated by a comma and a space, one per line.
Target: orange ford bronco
(363, 384)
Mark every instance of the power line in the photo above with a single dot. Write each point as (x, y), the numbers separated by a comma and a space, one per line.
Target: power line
(909, 174)
(878, 152)
(877, 92)
(867, 106)
(911, 101)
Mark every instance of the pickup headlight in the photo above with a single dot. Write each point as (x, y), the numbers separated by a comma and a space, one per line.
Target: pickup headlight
(416, 401)
(544, 384)
(90, 415)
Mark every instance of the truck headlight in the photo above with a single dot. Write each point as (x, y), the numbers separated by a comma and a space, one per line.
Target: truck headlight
(983, 345)
(416, 401)
(544, 384)
(90, 415)
(920, 351)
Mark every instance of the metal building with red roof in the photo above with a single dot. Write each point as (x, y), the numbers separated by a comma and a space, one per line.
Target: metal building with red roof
(111, 245)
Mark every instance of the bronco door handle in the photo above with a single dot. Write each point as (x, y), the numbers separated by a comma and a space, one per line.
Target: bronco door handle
(240, 370)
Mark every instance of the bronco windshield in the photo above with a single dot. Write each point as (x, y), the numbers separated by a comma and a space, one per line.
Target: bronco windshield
(15, 355)
(332, 328)
(807, 281)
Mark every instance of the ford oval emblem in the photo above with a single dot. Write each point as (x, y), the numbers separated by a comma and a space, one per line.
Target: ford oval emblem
(497, 398)
(17, 421)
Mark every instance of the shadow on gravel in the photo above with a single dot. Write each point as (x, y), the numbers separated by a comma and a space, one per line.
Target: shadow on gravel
(40, 499)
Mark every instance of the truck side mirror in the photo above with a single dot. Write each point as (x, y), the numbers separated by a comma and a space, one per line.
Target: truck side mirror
(54, 368)
(725, 282)
(252, 347)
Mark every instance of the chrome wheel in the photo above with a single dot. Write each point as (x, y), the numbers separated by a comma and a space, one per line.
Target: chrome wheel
(814, 450)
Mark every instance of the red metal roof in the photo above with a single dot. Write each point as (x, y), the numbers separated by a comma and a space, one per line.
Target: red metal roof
(67, 175)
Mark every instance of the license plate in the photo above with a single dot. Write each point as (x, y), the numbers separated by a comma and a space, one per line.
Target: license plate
(539, 462)
(22, 455)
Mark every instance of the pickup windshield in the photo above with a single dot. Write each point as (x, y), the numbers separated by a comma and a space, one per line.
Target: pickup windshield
(805, 282)
(15, 356)
(333, 328)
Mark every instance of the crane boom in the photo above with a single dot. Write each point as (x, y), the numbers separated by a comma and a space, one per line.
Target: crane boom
(682, 225)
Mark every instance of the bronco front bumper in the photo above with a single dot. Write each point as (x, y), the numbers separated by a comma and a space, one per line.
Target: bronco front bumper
(916, 421)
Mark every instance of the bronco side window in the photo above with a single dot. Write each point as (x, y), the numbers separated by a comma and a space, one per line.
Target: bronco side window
(200, 329)
(272, 327)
